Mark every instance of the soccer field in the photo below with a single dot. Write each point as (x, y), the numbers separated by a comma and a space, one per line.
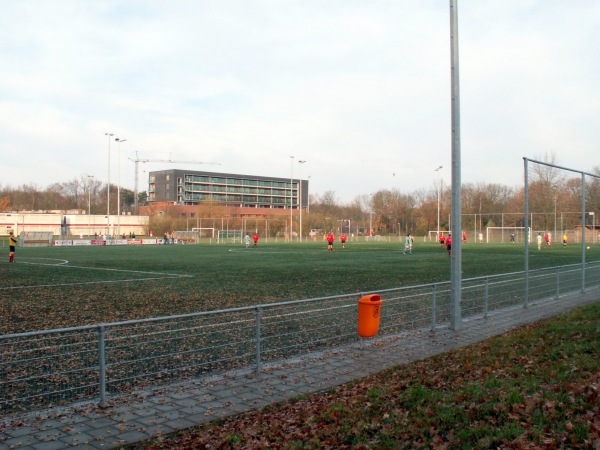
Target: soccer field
(69, 286)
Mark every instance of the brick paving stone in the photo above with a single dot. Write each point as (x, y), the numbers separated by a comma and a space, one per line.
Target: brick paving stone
(125, 417)
(20, 441)
(164, 407)
(133, 436)
(104, 422)
(191, 410)
(54, 445)
(170, 415)
(101, 433)
(76, 440)
(22, 431)
(145, 411)
(152, 420)
(85, 446)
(180, 424)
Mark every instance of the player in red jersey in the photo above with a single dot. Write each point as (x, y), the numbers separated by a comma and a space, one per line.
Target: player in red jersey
(330, 239)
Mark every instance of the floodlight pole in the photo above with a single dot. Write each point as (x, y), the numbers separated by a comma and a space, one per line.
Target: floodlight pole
(308, 197)
(583, 232)
(291, 194)
(120, 141)
(300, 200)
(108, 187)
(90, 195)
(456, 256)
(439, 188)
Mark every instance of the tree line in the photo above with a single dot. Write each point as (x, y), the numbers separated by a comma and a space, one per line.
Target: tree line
(555, 203)
(84, 193)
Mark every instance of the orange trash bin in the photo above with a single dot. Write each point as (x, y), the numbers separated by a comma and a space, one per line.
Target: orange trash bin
(369, 312)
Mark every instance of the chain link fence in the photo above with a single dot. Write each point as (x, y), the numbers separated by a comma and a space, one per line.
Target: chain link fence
(91, 363)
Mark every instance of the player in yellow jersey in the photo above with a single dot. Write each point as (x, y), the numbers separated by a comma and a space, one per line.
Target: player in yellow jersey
(12, 243)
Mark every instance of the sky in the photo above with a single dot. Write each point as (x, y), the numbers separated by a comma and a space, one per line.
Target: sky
(359, 90)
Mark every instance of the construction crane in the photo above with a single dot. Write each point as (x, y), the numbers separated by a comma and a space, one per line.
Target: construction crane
(138, 160)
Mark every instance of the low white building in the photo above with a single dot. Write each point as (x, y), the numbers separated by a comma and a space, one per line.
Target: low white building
(73, 224)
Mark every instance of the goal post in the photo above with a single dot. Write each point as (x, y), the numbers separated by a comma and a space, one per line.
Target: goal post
(36, 238)
(186, 237)
(234, 235)
(503, 235)
(433, 236)
(205, 232)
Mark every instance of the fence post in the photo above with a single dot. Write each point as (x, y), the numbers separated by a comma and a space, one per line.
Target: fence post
(557, 282)
(102, 365)
(257, 337)
(433, 307)
(486, 297)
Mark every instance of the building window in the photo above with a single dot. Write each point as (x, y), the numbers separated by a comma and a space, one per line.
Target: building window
(183, 215)
(192, 215)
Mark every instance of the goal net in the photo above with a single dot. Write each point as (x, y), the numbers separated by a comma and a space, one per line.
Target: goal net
(36, 238)
(205, 232)
(502, 235)
(234, 236)
(433, 236)
(186, 237)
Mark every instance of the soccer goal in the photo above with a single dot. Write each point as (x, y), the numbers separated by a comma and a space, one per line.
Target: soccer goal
(186, 237)
(503, 235)
(36, 238)
(205, 232)
(433, 236)
(234, 235)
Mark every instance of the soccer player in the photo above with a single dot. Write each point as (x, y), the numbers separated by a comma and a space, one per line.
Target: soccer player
(464, 237)
(565, 240)
(343, 240)
(539, 241)
(442, 240)
(12, 243)
(247, 240)
(255, 239)
(449, 244)
(330, 239)
(408, 244)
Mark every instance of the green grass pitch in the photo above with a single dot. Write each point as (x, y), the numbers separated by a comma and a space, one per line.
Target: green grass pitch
(70, 286)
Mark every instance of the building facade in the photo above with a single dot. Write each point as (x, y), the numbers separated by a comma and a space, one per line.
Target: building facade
(188, 187)
(73, 224)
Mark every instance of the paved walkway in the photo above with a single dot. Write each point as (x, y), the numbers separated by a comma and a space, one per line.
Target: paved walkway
(164, 410)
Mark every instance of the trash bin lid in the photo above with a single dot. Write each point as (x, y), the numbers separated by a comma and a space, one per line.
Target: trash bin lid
(370, 299)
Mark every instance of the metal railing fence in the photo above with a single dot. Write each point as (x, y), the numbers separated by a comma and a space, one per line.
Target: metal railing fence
(89, 363)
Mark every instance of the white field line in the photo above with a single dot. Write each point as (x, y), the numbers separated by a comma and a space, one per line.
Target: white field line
(64, 263)
(60, 263)
(34, 286)
(251, 250)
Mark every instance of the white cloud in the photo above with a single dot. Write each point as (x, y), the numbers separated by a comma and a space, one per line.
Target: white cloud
(361, 90)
